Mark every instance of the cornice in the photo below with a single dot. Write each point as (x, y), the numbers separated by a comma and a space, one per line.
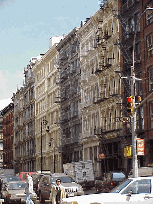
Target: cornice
(51, 51)
(85, 29)
(67, 38)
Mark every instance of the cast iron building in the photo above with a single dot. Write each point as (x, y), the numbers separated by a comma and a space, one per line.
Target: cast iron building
(101, 90)
(69, 70)
(24, 123)
(46, 95)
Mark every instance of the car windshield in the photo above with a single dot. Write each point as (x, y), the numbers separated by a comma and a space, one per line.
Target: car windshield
(65, 179)
(11, 178)
(16, 186)
(121, 186)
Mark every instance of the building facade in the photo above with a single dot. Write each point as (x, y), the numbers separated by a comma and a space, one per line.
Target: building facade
(130, 18)
(1, 141)
(24, 123)
(89, 88)
(8, 136)
(47, 110)
(70, 97)
(146, 38)
(101, 90)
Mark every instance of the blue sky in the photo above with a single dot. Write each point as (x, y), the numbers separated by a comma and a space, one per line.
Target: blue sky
(25, 29)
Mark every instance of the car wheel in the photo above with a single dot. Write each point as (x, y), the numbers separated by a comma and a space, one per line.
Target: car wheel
(41, 198)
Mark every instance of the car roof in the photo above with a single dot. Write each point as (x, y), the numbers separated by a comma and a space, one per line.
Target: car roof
(59, 175)
(16, 182)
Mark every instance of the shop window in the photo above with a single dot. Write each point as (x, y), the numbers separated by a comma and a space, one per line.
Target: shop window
(150, 45)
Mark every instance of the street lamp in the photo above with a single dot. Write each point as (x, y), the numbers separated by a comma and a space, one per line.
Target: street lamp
(51, 139)
(44, 122)
(133, 118)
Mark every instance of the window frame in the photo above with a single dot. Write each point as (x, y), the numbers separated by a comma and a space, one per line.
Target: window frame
(151, 114)
(149, 80)
(149, 45)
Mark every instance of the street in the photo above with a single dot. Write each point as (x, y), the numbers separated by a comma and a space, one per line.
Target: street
(86, 192)
(90, 191)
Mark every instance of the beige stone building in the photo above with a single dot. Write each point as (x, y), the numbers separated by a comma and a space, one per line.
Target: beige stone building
(46, 94)
(101, 90)
(109, 94)
(89, 87)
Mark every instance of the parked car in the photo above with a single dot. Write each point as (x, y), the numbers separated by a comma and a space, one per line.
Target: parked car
(36, 179)
(13, 192)
(107, 182)
(22, 175)
(9, 178)
(71, 187)
(133, 189)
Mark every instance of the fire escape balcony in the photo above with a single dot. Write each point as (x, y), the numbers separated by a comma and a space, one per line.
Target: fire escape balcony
(102, 67)
(63, 78)
(8, 134)
(60, 99)
(100, 131)
(103, 96)
(65, 117)
(106, 36)
(7, 121)
(87, 103)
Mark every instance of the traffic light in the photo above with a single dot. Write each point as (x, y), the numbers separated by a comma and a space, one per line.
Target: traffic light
(130, 105)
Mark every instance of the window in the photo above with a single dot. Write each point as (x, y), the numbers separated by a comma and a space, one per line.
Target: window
(139, 186)
(151, 78)
(150, 45)
(149, 14)
(151, 114)
(127, 31)
(132, 25)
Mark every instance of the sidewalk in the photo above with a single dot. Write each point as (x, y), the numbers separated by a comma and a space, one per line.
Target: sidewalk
(46, 201)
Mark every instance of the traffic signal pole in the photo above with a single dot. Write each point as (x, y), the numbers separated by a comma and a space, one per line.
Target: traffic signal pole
(133, 122)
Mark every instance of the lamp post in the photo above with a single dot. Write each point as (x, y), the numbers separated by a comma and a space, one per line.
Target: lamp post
(44, 122)
(133, 118)
(51, 139)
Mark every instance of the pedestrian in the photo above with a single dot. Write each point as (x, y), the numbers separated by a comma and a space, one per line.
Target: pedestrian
(29, 189)
(1, 186)
(57, 192)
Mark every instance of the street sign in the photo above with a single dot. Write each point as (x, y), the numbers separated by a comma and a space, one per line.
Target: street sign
(140, 146)
(128, 151)
(101, 156)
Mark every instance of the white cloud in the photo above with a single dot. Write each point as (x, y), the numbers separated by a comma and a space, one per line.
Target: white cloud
(4, 103)
(9, 83)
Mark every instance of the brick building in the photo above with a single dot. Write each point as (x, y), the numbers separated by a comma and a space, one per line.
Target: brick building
(146, 22)
(8, 135)
(1, 141)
